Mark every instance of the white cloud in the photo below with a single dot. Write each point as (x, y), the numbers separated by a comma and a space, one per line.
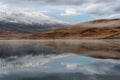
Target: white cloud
(44, 11)
(91, 8)
(96, 8)
(70, 12)
(3, 7)
(113, 16)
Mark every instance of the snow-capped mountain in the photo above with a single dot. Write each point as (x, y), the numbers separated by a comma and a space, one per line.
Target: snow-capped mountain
(28, 22)
(27, 17)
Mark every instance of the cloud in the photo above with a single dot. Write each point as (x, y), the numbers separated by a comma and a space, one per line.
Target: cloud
(3, 7)
(70, 12)
(48, 2)
(103, 9)
(96, 8)
(44, 11)
(114, 16)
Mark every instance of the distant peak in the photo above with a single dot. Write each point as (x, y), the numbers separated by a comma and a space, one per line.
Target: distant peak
(27, 17)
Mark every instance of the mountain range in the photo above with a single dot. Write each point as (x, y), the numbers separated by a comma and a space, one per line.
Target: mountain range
(14, 25)
(25, 25)
(96, 29)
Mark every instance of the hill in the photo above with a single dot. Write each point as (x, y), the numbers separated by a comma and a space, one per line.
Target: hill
(97, 29)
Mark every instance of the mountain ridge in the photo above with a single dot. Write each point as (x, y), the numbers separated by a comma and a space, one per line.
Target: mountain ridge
(96, 29)
(25, 23)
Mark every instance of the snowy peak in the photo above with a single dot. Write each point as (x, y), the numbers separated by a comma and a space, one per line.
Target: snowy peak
(27, 17)
(27, 22)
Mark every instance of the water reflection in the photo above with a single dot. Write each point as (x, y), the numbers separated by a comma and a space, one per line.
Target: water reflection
(93, 48)
(60, 60)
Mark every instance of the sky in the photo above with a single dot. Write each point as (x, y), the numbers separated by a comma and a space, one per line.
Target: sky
(74, 11)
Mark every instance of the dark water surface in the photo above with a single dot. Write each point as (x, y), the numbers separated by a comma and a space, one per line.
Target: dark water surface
(60, 60)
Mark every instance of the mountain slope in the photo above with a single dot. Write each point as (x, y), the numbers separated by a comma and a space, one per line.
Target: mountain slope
(12, 23)
(97, 29)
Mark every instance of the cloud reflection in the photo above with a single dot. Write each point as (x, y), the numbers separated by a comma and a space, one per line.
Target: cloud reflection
(50, 64)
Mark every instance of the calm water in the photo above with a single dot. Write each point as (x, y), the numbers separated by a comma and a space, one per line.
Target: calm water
(60, 60)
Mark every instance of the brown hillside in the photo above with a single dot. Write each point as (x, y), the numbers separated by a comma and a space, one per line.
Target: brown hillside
(97, 29)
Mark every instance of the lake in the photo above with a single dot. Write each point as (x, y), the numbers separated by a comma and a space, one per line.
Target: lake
(60, 59)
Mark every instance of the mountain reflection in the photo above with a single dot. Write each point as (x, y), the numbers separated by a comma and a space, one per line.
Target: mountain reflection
(92, 48)
(59, 60)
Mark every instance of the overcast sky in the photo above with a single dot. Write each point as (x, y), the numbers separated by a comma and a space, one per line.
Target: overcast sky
(67, 10)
